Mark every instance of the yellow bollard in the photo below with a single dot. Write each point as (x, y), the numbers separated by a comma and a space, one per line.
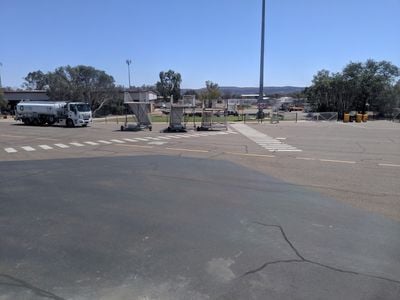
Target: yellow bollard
(358, 118)
(346, 118)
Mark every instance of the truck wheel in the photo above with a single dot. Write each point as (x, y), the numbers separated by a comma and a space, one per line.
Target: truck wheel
(70, 123)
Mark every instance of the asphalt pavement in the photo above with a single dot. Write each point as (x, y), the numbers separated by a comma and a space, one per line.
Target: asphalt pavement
(173, 227)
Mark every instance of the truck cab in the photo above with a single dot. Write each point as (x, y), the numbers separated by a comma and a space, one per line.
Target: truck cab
(78, 114)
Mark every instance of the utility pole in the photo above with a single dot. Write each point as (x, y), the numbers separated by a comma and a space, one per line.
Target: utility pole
(261, 90)
(128, 62)
(1, 65)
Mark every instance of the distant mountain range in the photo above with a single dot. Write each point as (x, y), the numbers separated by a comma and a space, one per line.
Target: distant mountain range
(254, 90)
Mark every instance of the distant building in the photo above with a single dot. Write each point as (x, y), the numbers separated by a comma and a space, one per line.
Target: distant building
(13, 97)
(140, 96)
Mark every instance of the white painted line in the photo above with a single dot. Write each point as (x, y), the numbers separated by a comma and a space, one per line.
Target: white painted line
(77, 144)
(91, 143)
(389, 165)
(164, 138)
(118, 141)
(28, 148)
(135, 146)
(305, 158)
(62, 146)
(101, 141)
(45, 147)
(142, 139)
(129, 140)
(289, 150)
(188, 150)
(10, 150)
(338, 161)
(280, 138)
(251, 155)
(157, 143)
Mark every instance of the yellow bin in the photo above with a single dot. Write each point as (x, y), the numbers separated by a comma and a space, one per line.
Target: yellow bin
(346, 118)
(365, 117)
(358, 118)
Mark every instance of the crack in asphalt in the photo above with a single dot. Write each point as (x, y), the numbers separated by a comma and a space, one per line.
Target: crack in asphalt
(15, 282)
(302, 259)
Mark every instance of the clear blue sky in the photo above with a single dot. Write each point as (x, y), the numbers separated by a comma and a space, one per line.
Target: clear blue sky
(214, 40)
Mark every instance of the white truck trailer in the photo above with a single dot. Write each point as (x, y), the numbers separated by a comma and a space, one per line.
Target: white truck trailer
(68, 114)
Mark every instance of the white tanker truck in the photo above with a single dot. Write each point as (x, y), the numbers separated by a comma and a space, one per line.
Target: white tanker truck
(68, 114)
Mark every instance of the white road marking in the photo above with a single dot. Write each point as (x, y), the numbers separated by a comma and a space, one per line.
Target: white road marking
(10, 150)
(305, 158)
(263, 140)
(281, 138)
(142, 139)
(92, 143)
(157, 143)
(129, 140)
(338, 161)
(101, 141)
(28, 148)
(118, 141)
(62, 146)
(77, 144)
(45, 147)
(164, 137)
(188, 150)
(250, 154)
(389, 165)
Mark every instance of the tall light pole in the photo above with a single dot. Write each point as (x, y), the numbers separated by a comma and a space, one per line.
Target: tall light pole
(128, 62)
(261, 90)
(1, 65)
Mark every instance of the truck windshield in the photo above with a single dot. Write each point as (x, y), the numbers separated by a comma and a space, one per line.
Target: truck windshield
(83, 107)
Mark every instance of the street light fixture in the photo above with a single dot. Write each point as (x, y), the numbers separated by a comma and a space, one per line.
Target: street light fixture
(128, 62)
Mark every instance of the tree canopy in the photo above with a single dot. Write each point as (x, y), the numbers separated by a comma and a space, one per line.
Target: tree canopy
(359, 87)
(80, 83)
(211, 92)
(169, 85)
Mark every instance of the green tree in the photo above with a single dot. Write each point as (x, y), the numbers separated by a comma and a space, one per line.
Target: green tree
(211, 92)
(360, 86)
(80, 83)
(36, 80)
(169, 85)
(3, 102)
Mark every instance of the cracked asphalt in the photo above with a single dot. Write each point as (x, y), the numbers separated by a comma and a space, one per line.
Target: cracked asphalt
(210, 217)
(168, 227)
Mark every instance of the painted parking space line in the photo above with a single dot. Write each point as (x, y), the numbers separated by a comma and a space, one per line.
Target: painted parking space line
(28, 148)
(62, 146)
(129, 140)
(91, 143)
(135, 146)
(118, 141)
(100, 141)
(305, 158)
(77, 144)
(250, 154)
(188, 150)
(389, 165)
(46, 147)
(337, 161)
(158, 143)
(142, 139)
(10, 150)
